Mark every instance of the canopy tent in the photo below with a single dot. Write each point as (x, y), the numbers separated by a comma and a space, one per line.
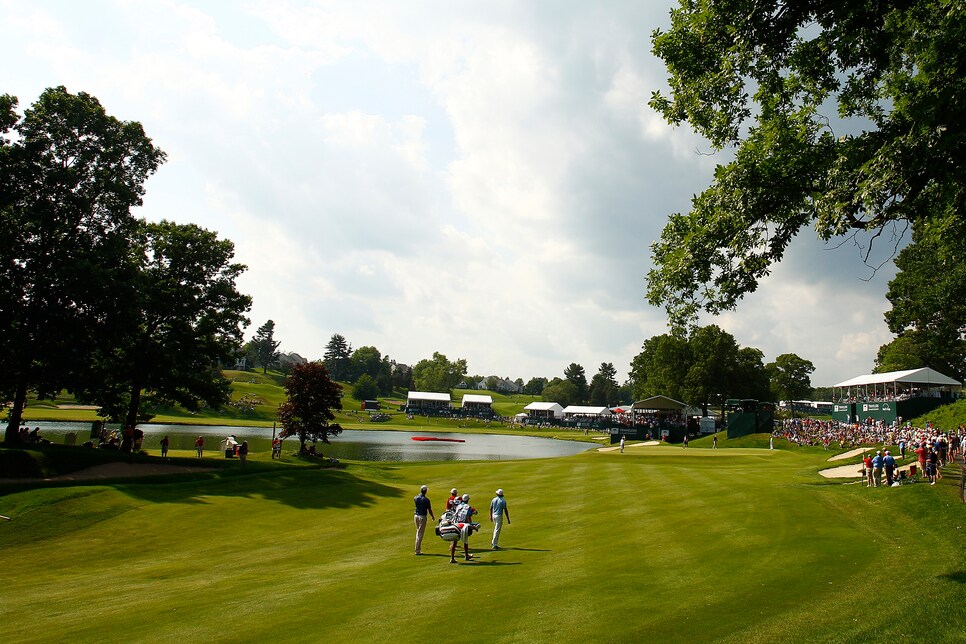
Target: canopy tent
(477, 399)
(658, 403)
(545, 410)
(585, 410)
(911, 382)
(923, 376)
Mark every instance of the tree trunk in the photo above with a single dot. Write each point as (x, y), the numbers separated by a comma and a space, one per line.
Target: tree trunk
(131, 420)
(12, 436)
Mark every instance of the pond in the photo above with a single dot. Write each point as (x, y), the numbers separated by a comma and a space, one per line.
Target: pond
(375, 445)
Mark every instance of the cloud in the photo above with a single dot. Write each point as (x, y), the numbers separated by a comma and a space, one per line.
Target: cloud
(483, 180)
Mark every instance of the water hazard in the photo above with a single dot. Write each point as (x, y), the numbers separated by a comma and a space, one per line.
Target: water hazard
(375, 445)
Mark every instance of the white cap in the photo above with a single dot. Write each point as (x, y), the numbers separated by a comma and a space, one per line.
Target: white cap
(499, 492)
(466, 497)
(423, 489)
(453, 491)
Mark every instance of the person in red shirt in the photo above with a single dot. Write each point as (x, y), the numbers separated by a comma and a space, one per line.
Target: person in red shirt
(453, 500)
(200, 446)
(921, 452)
(867, 464)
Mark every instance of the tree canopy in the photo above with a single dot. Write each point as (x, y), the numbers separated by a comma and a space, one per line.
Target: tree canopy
(69, 178)
(338, 353)
(311, 398)
(703, 368)
(563, 392)
(438, 374)
(790, 377)
(182, 317)
(575, 373)
(928, 297)
(604, 389)
(264, 347)
(847, 116)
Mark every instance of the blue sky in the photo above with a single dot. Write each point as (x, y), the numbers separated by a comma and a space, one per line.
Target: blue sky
(482, 179)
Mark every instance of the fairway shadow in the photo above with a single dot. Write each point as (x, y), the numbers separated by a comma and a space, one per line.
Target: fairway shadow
(306, 489)
(522, 550)
(477, 562)
(959, 576)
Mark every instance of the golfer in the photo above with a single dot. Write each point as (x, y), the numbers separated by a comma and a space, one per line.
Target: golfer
(423, 507)
(498, 510)
(622, 444)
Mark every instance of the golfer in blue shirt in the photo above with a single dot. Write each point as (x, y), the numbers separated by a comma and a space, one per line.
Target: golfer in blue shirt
(498, 510)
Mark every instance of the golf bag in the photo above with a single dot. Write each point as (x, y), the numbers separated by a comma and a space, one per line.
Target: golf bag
(448, 531)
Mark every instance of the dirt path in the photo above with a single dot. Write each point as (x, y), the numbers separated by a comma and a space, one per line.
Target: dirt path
(118, 470)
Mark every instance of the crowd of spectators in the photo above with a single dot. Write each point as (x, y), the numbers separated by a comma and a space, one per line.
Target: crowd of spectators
(851, 397)
(841, 435)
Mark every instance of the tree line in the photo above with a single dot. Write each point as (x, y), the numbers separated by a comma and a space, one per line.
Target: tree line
(703, 368)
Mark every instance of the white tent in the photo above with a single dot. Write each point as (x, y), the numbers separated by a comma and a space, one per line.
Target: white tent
(583, 410)
(546, 410)
(923, 376)
(911, 382)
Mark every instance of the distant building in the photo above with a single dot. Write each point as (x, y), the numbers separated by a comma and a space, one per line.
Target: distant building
(288, 360)
(476, 404)
(421, 401)
(502, 385)
(544, 411)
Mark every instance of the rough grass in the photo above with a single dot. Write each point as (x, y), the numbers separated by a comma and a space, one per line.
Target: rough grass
(663, 544)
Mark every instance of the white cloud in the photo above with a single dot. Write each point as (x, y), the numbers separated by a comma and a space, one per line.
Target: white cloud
(483, 180)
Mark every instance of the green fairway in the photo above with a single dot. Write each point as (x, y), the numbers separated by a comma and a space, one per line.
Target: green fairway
(656, 544)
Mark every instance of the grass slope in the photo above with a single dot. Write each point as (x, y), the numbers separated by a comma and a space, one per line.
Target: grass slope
(657, 544)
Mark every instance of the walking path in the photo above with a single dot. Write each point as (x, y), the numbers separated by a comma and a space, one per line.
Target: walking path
(617, 447)
(850, 453)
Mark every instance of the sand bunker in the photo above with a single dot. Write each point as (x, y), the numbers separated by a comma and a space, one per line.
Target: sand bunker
(852, 471)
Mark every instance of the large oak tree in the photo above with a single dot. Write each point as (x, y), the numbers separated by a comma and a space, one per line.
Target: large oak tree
(69, 177)
(846, 116)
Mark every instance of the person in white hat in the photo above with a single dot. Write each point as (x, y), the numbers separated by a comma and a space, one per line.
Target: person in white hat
(498, 510)
(453, 500)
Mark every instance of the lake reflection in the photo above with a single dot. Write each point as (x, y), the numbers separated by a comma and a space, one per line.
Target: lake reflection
(375, 445)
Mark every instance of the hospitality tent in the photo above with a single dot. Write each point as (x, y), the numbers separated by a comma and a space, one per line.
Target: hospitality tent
(896, 383)
(544, 410)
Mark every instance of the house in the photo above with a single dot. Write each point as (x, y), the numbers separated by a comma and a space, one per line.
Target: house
(288, 360)
(502, 385)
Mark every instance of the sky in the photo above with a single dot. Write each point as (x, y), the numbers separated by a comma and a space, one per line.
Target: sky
(479, 179)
